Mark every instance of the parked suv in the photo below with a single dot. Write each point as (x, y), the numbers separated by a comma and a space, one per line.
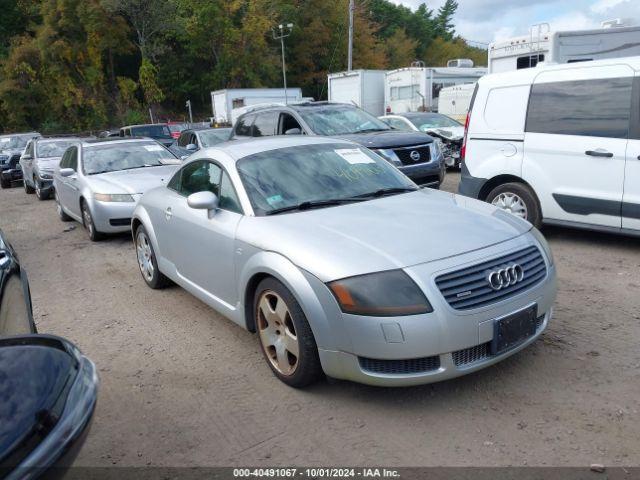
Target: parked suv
(40, 159)
(559, 144)
(157, 131)
(194, 139)
(11, 147)
(414, 153)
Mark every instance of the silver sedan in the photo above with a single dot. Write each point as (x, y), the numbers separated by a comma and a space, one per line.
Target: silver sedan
(98, 182)
(342, 265)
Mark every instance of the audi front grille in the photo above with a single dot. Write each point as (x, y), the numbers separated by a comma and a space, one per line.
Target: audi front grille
(469, 287)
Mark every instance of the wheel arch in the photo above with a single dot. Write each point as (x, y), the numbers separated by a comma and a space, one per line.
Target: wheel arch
(501, 180)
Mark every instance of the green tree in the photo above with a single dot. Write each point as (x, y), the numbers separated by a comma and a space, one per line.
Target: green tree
(444, 20)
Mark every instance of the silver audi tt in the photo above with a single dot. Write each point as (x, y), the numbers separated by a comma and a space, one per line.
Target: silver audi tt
(342, 265)
(98, 182)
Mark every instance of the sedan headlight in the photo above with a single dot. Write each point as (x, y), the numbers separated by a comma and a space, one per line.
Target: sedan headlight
(383, 294)
(113, 197)
(543, 243)
(389, 155)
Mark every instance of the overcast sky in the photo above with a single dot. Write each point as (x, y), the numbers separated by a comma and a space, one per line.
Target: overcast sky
(490, 20)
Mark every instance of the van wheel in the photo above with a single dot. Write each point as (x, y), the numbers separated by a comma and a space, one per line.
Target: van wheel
(517, 199)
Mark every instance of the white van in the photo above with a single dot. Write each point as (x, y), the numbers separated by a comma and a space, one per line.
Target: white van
(558, 144)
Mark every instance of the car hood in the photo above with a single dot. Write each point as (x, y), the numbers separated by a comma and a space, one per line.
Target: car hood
(49, 163)
(383, 234)
(388, 139)
(132, 182)
(452, 133)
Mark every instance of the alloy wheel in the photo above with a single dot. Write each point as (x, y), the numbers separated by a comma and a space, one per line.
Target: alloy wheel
(145, 256)
(512, 203)
(88, 222)
(277, 333)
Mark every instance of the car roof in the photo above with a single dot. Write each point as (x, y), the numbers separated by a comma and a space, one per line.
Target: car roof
(145, 125)
(238, 149)
(298, 106)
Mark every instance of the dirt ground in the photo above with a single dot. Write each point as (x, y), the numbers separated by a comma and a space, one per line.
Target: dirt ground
(182, 386)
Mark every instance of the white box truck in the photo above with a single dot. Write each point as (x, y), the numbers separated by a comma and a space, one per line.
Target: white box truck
(415, 89)
(614, 40)
(224, 102)
(363, 88)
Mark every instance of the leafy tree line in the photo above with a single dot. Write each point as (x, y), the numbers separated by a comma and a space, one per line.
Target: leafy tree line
(69, 65)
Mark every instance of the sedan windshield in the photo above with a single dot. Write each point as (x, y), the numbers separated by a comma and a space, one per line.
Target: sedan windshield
(152, 131)
(53, 148)
(340, 120)
(103, 158)
(14, 142)
(209, 138)
(432, 120)
(313, 176)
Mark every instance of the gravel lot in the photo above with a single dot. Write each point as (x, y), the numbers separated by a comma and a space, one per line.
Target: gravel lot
(182, 386)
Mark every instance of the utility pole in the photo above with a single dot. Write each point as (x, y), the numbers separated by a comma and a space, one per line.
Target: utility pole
(352, 7)
(285, 31)
(188, 105)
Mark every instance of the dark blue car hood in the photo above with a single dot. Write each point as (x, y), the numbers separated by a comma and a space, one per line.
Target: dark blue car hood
(388, 139)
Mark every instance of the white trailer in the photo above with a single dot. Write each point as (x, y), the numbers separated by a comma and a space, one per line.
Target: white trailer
(615, 39)
(455, 101)
(418, 88)
(223, 102)
(363, 88)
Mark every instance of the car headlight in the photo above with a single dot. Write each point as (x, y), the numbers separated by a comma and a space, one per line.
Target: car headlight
(383, 294)
(389, 155)
(543, 243)
(113, 197)
(437, 147)
(47, 175)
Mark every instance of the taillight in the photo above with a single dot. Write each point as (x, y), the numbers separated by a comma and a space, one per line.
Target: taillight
(463, 149)
(388, 109)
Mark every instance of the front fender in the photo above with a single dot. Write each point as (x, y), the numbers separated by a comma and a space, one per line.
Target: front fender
(141, 215)
(273, 264)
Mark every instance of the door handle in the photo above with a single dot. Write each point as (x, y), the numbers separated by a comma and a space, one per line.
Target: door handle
(168, 213)
(599, 153)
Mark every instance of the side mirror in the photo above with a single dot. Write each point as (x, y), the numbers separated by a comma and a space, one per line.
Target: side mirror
(51, 391)
(67, 172)
(203, 201)
(293, 131)
(192, 147)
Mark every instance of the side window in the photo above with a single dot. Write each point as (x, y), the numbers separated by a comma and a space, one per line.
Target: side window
(65, 158)
(243, 126)
(183, 140)
(265, 124)
(228, 198)
(29, 149)
(200, 176)
(399, 124)
(529, 61)
(287, 122)
(193, 139)
(593, 108)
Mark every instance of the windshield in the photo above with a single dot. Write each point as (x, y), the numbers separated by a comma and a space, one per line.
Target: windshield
(431, 120)
(13, 142)
(53, 148)
(208, 138)
(152, 131)
(340, 120)
(278, 179)
(124, 156)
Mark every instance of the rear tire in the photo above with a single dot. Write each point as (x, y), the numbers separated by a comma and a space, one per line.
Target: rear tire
(518, 199)
(285, 336)
(87, 221)
(63, 216)
(147, 261)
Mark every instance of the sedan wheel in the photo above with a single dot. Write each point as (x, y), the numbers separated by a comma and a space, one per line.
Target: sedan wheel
(286, 339)
(27, 188)
(87, 220)
(277, 333)
(145, 256)
(63, 216)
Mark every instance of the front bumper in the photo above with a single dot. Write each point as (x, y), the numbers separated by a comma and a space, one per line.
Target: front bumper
(10, 174)
(443, 344)
(112, 217)
(428, 174)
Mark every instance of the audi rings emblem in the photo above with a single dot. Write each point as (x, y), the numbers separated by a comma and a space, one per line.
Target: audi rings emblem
(506, 276)
(415, 155)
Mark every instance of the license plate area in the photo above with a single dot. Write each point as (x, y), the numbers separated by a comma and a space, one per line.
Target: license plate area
(512, 330)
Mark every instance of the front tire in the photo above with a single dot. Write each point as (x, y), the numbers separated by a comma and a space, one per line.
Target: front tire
(285, 336)
(87, 221)
(4, 183)
(42, 195)
(27, 188)
(518, 199)
(147, 261)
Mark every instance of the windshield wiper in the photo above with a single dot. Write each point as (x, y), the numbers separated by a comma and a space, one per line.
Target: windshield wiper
(369, 130)
(310, 204)
(387, 191)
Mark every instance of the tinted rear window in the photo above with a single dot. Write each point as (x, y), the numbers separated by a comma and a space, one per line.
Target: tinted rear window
(594, 108)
